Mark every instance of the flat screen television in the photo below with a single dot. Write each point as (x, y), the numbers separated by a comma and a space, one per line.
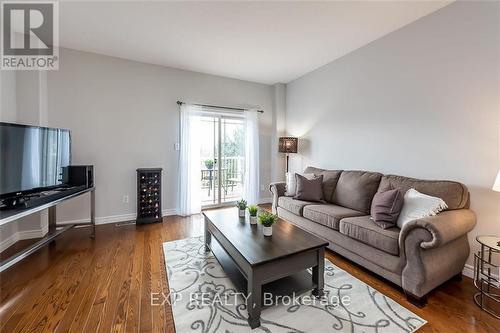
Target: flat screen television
(32, 158)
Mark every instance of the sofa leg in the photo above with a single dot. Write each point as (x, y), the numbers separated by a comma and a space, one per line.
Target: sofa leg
(457, 277)
(415, 300)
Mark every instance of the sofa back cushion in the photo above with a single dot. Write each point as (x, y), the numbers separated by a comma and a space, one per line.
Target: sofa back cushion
(355, 189)
(330, 179)
(456, 195)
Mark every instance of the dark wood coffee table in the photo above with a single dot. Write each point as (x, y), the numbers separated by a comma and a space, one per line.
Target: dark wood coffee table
(257, 264)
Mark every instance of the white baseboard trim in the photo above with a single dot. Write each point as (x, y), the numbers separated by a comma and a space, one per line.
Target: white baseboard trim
(103, 219)
(468, 271)
(170, 212)
(117, 218)
(9, 241)
(39, 233)
(21, 235)
(265, 200)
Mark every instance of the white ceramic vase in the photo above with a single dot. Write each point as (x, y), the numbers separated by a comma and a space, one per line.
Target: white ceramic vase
(241, 212)
(268, 231)
(253, 219)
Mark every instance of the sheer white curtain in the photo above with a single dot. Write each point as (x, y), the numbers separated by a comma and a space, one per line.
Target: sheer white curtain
(251, 179)
(189, 161)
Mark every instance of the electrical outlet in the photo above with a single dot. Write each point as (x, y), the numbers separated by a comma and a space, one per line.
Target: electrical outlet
(177, 146)
(125, 199)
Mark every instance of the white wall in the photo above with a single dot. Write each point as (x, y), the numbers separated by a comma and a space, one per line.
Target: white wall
(8, 96)
(421, 102)
(23, 100)
(278, 165)
(7, 114)
(123, 115)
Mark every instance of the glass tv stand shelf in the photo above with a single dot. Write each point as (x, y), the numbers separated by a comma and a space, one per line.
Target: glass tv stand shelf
(13, 215)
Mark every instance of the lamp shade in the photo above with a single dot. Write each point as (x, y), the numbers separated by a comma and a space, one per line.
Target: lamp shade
(496, 186)
(288, 144)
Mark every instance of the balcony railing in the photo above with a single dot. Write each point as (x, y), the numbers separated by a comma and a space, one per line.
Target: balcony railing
(232, 173)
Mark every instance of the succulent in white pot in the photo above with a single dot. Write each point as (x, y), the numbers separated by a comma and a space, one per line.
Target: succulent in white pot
(252, 210)
(267, 220)
(242, 206)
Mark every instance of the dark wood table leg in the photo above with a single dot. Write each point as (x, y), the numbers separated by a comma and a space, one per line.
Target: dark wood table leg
(318, 275)
(254, 302)
(208, 236)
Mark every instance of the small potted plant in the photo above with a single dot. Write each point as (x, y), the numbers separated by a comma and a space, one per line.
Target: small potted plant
(267, 220)
(242, 206)
(209, 164)
(253, 209)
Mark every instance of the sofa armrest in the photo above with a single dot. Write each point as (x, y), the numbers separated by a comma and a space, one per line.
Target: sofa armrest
(436, 248)
(278, 190)
(443, 228)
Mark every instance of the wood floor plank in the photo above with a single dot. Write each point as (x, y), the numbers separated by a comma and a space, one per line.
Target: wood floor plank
(18, 291)
(157, 265)
(145, 322)
(32, 310)
(53, 312)
(120, 316)
(96, 313)
(85, 289)
(107, 255)
(134, 303)
(170, 327)
(117, 281)
(80, 285)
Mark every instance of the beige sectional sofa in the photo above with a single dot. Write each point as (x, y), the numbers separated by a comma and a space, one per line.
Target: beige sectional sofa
(420, 257)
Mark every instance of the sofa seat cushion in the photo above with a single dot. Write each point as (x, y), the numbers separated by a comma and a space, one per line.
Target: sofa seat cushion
(292, 205)
(328, 215)
(364, 230)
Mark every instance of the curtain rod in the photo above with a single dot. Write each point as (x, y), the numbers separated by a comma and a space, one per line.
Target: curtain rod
(219, 107)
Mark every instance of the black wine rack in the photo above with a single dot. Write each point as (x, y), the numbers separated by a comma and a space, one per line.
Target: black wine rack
(148, 195)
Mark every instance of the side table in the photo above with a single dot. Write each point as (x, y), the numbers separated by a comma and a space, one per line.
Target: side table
(486, 274)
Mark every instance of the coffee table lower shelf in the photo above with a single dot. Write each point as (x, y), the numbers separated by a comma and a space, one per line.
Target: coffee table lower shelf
(297, 284)
(257, 264)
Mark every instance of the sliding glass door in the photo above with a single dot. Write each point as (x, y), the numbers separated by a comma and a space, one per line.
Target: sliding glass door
(222, 157)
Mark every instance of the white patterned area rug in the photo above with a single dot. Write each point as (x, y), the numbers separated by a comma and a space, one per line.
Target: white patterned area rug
(204, 300)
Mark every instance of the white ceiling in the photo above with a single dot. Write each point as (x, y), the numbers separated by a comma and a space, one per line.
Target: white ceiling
(266, 42)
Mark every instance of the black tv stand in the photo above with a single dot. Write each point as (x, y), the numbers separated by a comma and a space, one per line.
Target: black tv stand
(49, 201)
(36, 198)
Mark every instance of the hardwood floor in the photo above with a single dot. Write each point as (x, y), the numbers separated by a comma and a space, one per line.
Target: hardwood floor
(104, 285)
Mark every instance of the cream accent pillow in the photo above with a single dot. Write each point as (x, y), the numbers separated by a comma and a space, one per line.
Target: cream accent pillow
(291, 184)
(417, 205)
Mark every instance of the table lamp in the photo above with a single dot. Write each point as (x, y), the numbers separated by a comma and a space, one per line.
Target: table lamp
(496, 186)
(287, 145)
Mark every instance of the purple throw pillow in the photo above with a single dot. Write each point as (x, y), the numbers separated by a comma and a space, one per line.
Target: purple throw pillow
(309, 189)
(386, 207)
